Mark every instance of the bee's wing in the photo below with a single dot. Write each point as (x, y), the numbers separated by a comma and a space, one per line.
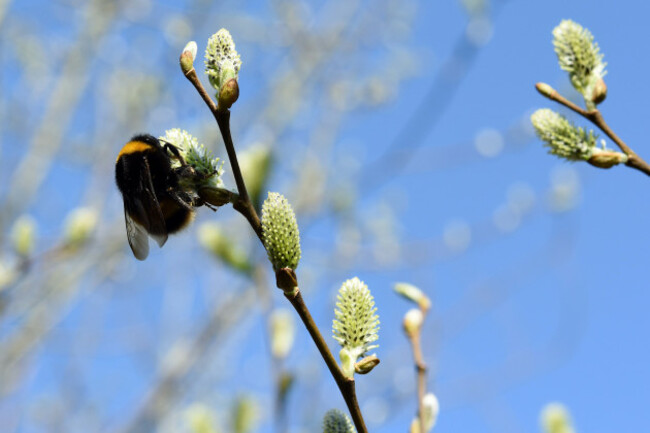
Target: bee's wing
(143, 216)
(156, 227)
(137, 236)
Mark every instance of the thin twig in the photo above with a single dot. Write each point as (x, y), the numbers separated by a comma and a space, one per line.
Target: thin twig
(245, 206)
(223, 119)
(346, 385)
(596, 117)
(633, 160)
(422, 380)
(421, 369)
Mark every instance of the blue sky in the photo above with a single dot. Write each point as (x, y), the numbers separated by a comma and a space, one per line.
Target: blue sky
(546, 305)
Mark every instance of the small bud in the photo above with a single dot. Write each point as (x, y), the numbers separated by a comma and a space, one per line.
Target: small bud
(366, 365)
(431, 409)
(555, 419)
(600, 91)
(607, 158)
(229, 94)
(413, 294)
(356, 325)
(216, 196)
(79, 225)
(283, 332)
(187, 57)
(544, 89)
(280, 232)
(413, 321)
(336, 421)
(201, 419)
(191, 48)
(212, 238)
(286, 279)
(284, 384)
(347, 362)
(430, 414)
(245, 415)
(23, 234)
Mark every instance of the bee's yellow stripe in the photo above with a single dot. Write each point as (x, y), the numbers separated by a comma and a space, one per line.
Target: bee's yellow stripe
(134, 147)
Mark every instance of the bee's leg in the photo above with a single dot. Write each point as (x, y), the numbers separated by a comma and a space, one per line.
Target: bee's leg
(185, 171)
(189, 171)
(208, 205)
(198, 202)
(204, 176)
(180, 200)
(174, 150)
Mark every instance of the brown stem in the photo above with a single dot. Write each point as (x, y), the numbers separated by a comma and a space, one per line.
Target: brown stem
(553, 95)
(597, 119)
(223, 119)
(421, 369)
(595, 116)
(244, 206)
(633, 160)
(346, 385)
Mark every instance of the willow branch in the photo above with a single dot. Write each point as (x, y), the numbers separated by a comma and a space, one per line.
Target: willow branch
(414, 335)
(421, 369)
(596, 117)
(244, 205)
(346, 385)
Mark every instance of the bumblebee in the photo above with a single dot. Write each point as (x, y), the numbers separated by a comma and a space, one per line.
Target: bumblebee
(154, 203)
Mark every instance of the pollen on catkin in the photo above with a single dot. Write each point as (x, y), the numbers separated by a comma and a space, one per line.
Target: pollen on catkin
(196, 155)
(579, 55)
(280, 232)
(355, 325)
(222, 61)
(562, 137)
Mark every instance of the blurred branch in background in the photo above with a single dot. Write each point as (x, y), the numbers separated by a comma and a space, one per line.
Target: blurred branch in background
(4, 5)
(64, 100)
(186, 355)
(411, 135)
